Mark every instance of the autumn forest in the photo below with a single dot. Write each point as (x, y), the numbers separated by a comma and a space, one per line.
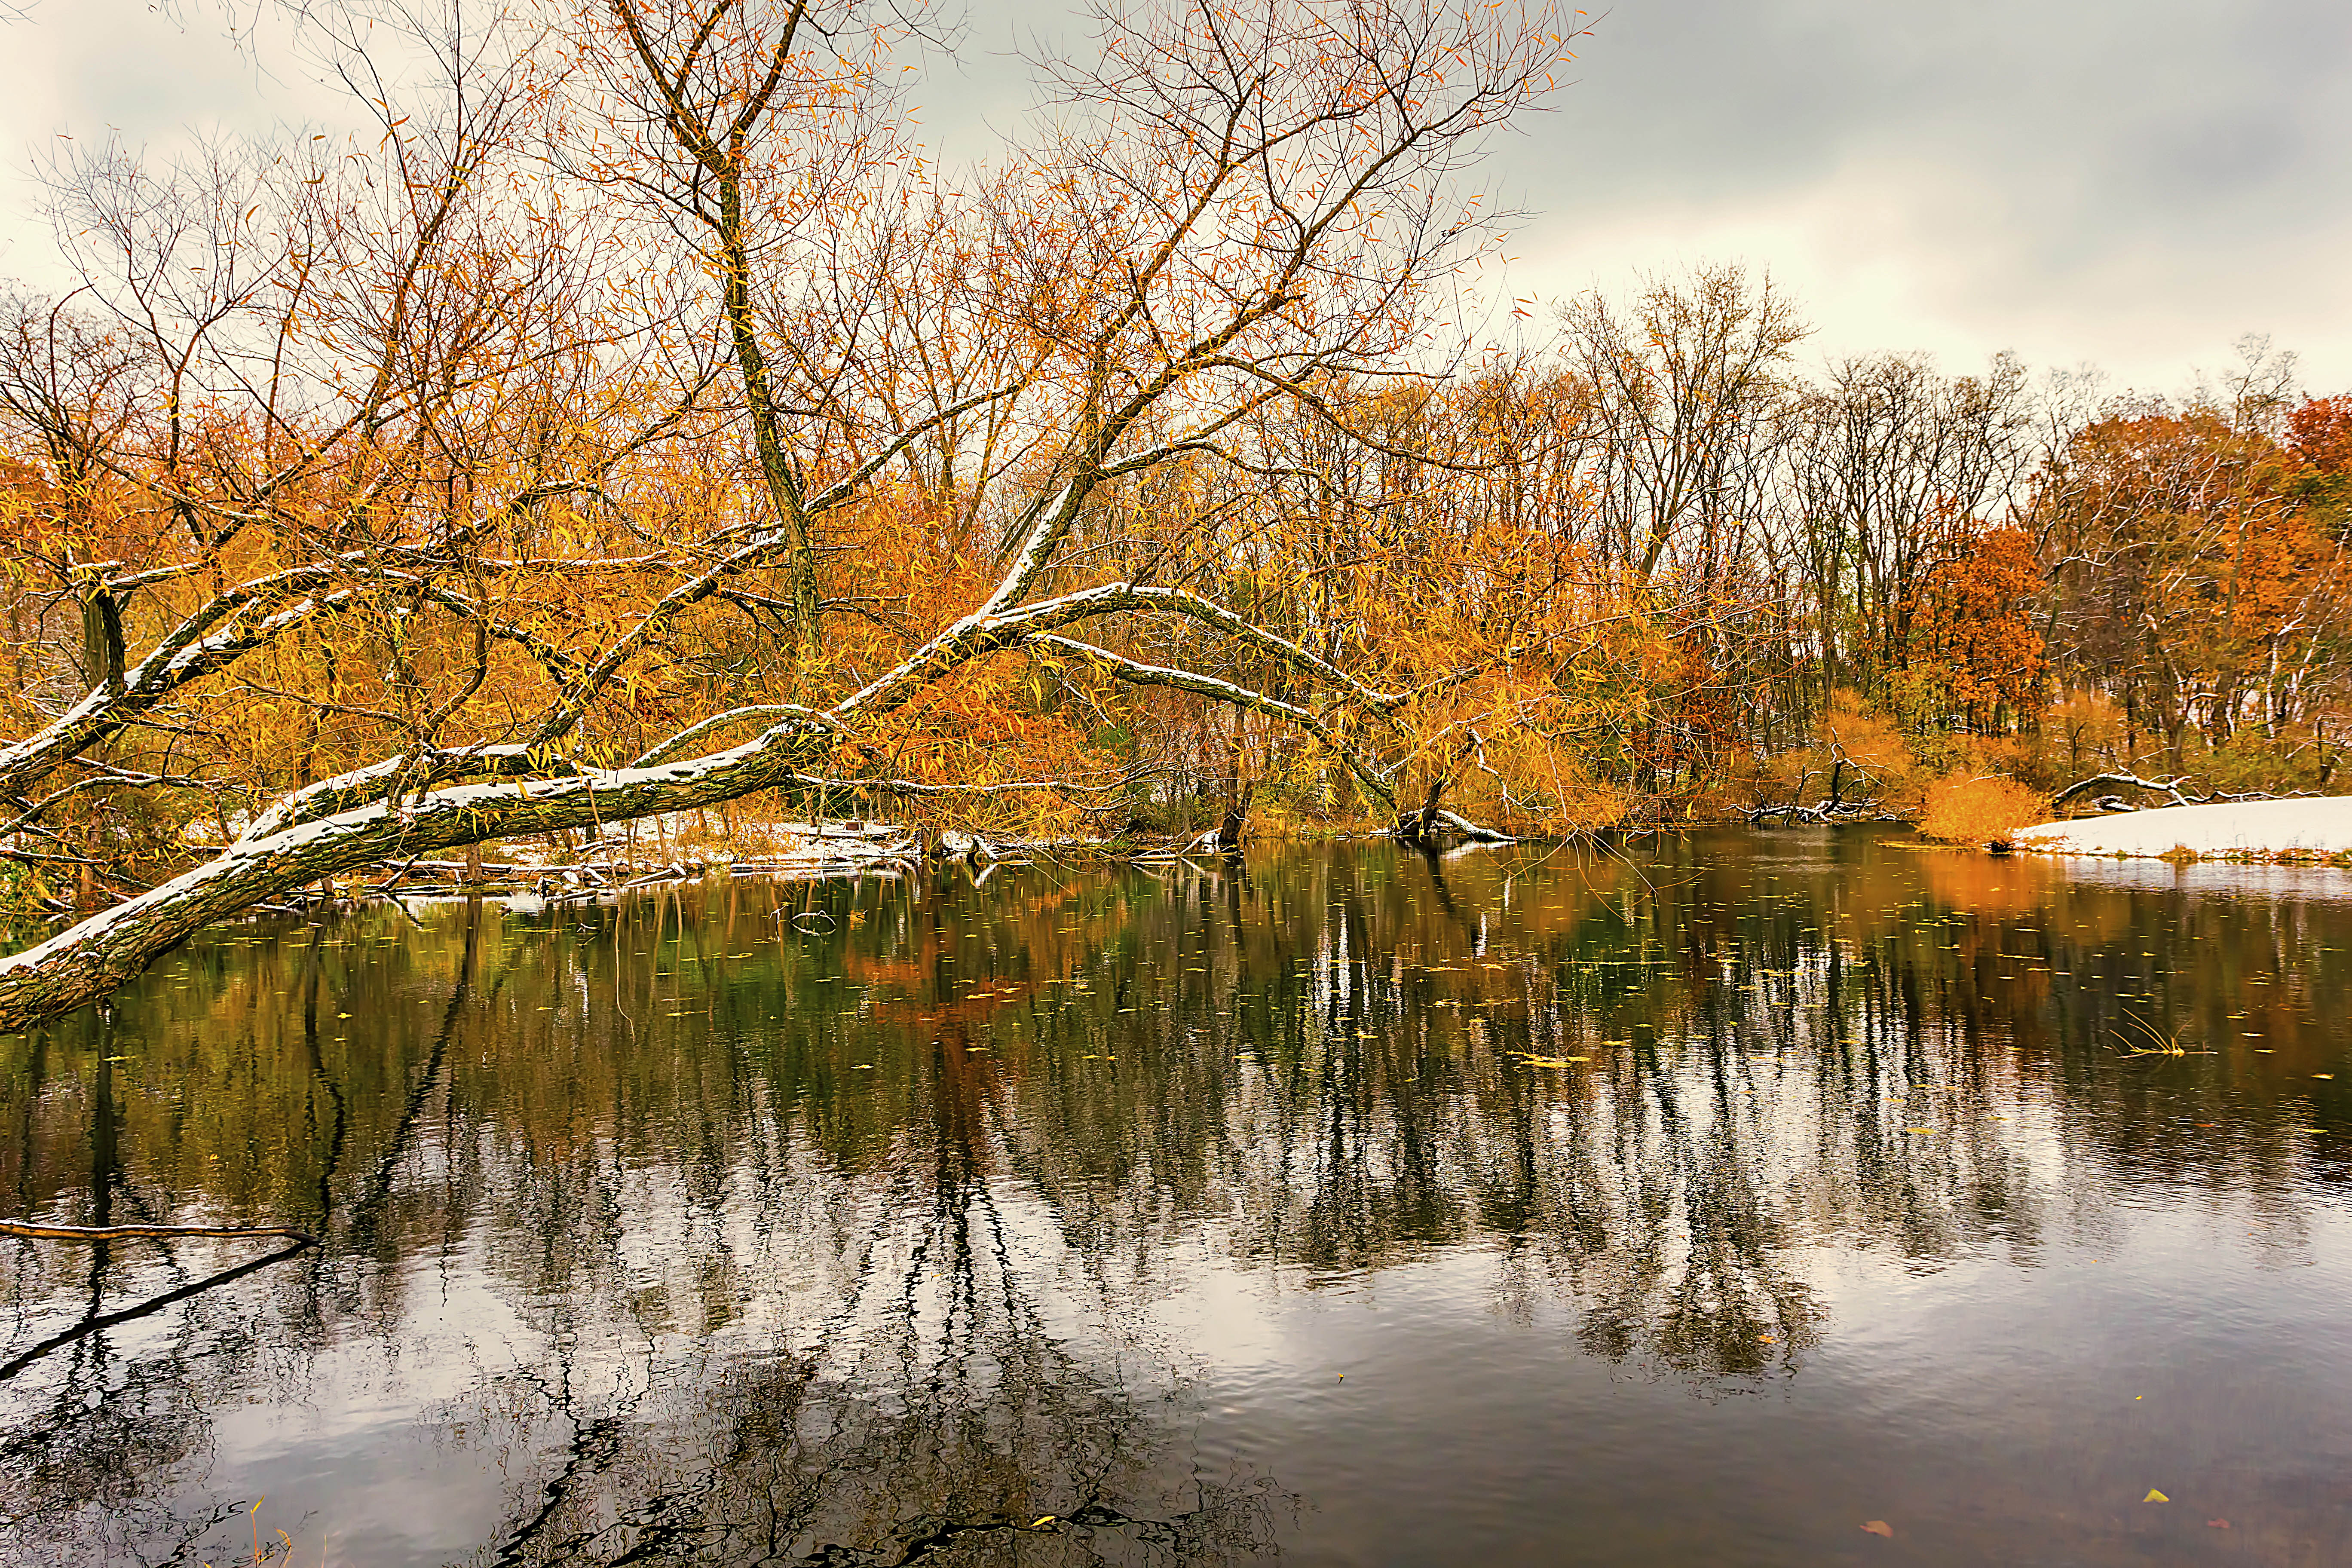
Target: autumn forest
(792, 783)
(629, 423)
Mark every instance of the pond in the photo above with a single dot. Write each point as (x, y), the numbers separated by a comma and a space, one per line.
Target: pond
(1793, 1198)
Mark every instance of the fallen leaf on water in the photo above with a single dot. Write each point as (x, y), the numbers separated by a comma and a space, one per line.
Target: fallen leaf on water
(1880, 1527)
(1927, 1130)
(2216, 1524)
(2155, 1496)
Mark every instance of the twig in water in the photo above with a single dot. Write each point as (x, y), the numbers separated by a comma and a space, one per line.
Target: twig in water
(122, 1232)
(2157, 1043)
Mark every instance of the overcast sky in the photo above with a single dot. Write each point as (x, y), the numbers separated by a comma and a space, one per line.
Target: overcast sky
(2130, 182)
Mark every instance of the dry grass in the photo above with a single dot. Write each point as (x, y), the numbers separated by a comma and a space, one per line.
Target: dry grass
(2144, 1040)
(1964, 808)
(277, 1554)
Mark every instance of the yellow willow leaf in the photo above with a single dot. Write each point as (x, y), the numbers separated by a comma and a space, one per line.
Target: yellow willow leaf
(2155, 1496)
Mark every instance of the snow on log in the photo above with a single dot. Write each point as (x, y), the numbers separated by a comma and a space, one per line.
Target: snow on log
(2246, 829)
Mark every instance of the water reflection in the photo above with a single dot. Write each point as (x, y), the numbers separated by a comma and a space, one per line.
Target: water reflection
(862, 1223)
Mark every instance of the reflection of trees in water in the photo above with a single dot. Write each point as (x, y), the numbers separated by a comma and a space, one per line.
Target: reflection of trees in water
(825, 1238)
(936, 1413)
(1662, 1177)
(837, 1355)
(1839, 1057)
(80, 1457)
(121, 1397)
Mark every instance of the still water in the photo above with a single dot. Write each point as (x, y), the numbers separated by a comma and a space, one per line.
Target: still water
(1706, 1202)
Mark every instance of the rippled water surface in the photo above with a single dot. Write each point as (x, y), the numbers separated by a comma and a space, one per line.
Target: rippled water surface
(1708, 1201)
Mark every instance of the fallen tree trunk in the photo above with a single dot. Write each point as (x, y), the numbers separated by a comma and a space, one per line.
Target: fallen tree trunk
(2172, 789)
(2169, 788)
(88, 960)
(1431, 828)
(1472, 832)
(124, 1232)
(323, 831)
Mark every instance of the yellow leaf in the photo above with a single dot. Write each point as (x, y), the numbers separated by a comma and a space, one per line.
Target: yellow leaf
(2155, 1496)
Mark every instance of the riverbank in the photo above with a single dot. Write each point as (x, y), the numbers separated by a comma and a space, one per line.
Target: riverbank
(2311, 830)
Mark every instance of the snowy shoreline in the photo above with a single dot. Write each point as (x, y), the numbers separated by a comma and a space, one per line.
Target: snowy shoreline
(2236, 830)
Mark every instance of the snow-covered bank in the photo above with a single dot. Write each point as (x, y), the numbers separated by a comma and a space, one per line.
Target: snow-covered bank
(2251, 829)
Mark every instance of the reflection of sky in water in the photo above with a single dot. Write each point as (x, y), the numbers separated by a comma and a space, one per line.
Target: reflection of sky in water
(1698, 1203)
(2304, 883)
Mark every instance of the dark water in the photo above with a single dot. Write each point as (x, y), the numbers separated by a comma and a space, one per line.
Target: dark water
(1698, 1206)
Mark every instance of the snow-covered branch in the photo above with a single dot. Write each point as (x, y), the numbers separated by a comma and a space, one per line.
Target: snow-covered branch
(1135, 672)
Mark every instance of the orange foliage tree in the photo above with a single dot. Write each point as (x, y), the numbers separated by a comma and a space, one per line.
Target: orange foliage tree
(1974, 649)
(413, 496)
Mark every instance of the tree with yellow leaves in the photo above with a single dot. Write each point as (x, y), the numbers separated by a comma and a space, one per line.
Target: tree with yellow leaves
(448, 513)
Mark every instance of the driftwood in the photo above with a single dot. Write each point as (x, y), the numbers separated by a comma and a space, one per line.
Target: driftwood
(1831, 808)
(1432, 829)
(125, 1232)
(2173, 790)
(1825, 812)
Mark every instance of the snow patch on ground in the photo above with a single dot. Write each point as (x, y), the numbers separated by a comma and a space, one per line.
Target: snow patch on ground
(2248, 829)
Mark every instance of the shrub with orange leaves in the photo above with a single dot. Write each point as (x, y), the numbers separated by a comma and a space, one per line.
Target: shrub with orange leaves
(1856, 752)
(1969, 808)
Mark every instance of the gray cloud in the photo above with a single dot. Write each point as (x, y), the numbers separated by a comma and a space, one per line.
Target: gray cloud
(2131, 181)
(2143, 103)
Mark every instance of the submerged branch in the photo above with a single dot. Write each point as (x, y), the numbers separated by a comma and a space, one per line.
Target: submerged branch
(124, 1232)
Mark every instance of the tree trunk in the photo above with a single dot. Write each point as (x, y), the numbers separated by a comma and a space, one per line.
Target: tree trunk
(1421, 826)
(1236, 819)
(1231, 827)
(90, 959)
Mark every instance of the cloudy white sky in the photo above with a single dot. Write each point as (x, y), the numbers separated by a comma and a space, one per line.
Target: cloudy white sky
(2129, 183)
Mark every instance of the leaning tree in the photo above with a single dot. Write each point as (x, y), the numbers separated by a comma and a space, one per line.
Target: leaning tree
(451, 435)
